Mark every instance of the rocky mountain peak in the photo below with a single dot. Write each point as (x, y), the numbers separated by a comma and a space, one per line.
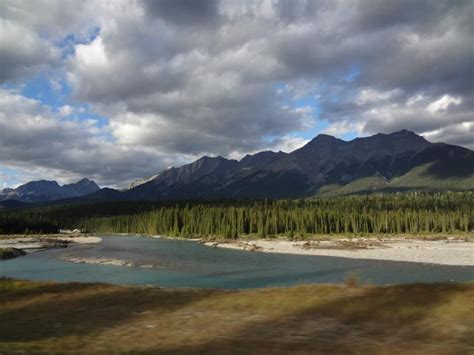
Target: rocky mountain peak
(325, 139)
(46, 190)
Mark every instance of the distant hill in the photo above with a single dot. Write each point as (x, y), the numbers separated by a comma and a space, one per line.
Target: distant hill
(401, 161)
(44, 190)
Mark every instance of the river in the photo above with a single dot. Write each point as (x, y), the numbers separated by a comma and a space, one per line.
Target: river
(181, 263)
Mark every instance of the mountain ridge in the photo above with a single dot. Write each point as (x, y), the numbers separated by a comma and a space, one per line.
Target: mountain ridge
(325, 160)
(398, 161)
(49, 190)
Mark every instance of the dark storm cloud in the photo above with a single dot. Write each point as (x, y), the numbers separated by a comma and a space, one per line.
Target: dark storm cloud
(23, 53)
(183, 12)
(373, 15)
(295, 11)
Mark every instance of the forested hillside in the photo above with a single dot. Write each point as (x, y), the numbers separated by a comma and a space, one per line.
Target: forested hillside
(373, 214)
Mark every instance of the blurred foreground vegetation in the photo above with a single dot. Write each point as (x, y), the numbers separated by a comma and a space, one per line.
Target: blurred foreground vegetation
(409, 213)
(40, 317)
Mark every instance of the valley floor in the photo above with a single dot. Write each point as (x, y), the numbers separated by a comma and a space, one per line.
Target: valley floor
(40, 317)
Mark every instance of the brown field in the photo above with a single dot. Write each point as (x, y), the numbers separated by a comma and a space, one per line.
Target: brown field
(43, 317)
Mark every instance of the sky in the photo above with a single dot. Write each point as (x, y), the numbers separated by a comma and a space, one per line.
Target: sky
(117, 90)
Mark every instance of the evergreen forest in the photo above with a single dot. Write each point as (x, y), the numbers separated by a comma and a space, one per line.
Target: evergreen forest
(409, 213)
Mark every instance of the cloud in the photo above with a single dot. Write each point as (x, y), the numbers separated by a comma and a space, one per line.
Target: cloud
(66, 110)
(339, 129)
(176, 79)
(219, 86)
(23, 52)
(36, 139)
(182, 96)
(183, 12)
(31, 32)
(288, 144)
(443, 103)
(460, 133)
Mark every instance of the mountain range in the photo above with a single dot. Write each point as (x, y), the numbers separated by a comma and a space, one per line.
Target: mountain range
(326, 165)
(400, 161)
(45, 190)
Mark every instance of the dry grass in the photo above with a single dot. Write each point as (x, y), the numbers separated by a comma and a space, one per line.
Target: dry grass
(90, 318)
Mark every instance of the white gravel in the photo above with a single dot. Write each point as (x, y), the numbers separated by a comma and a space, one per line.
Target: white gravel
(443, 252)
(44, 241)
(82, 239)
(104, 261)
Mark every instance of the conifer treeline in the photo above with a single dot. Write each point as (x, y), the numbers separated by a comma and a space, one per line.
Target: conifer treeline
(371, 214)
(21, 223)
(379, 214)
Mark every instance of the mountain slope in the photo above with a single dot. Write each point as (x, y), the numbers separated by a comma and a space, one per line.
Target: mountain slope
(44, 190)
(80, 188)
(384, 162)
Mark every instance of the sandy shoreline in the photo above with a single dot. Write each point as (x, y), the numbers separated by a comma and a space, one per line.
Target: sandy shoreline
(442, 252)
(32, 243)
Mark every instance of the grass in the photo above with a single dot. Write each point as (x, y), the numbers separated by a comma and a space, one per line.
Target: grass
(417, 319)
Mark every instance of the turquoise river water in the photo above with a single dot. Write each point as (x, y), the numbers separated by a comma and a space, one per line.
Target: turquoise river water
(180, 263)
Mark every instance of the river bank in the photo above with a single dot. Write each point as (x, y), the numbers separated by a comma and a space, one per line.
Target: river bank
(442, 251)
(12, 246)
